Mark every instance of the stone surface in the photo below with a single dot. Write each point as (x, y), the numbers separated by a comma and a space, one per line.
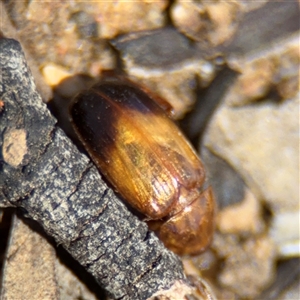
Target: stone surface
(119, 17)
(243, 218)
(285, 233)
(248, 272)
(272, 74)
(54, 74)
(168, 64)
(29, 272)
(55, 33)
(262, 143)
(196, 19)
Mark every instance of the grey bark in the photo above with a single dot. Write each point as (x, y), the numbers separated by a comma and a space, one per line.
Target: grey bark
(56, 185)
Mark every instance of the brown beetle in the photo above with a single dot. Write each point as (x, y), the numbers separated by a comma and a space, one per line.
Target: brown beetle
(148, 160)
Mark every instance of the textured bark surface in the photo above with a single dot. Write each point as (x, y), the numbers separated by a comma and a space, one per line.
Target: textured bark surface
(44, 173)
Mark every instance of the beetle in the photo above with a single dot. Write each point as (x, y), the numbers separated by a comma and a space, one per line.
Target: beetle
(148, 161)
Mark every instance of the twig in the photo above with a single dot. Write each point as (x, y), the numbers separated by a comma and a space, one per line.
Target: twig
(44, 173)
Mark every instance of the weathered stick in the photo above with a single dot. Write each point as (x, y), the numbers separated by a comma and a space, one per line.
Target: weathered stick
(44, 173)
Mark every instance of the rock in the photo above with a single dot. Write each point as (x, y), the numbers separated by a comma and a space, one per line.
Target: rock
(262, 143)
(214, 22)
(244, 218)
(246, 272)
(167, 63)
